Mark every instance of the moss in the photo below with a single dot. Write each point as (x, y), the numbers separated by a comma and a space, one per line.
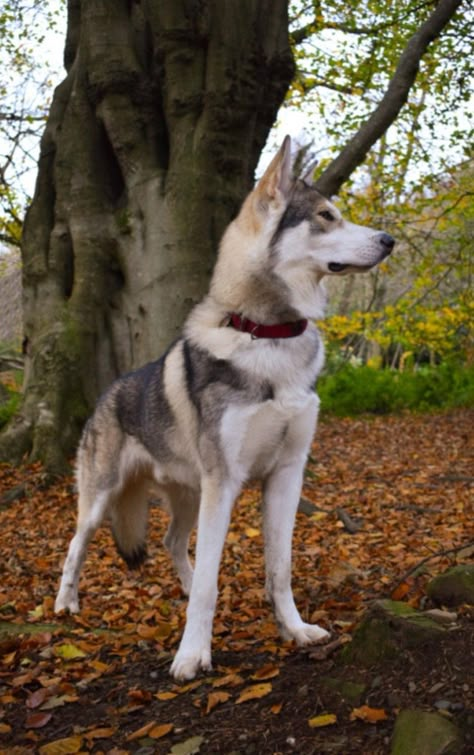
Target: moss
(10, 407)
(388, 627)
(353, 692)
(424, 733)
(123, 220)
(454, 587)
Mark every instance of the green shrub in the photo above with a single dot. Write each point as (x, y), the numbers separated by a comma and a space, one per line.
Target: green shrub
(352, 390)
(9, 407)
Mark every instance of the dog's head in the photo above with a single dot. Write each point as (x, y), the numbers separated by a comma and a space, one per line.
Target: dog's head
(306, 225)
(285, 239)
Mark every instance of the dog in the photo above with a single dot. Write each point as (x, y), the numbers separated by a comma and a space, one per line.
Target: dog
(232, 399)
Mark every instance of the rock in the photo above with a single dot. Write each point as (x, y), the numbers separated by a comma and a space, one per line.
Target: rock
(442, 704)
(454, 587)
(388, 627)
(425, 733)
(442, 617)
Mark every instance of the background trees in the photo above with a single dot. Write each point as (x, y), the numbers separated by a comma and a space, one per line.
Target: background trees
(151, 143)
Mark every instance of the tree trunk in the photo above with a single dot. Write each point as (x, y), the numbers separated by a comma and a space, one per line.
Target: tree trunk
(149, 148)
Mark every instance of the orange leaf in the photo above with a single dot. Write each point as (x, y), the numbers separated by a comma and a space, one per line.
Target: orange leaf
(266, 672)
(230, 680)
(275, 709)
(370, 715)
(188, 687)
(104, 733)
(254, 692)
(252, 532)
(214, 698)
(100, 667)
(139, 695)
(400, 591)
(115, 615)
(5, 728)
(160, 731)
(141, 732)
(165, 695)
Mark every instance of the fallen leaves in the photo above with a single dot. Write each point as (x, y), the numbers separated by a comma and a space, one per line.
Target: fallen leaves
(69, 652)
(256, 691)
(214, 698)
(369, 715)
(391, 480)
(67, 746)
(152, 729)
(326, 719)
(266, 672)
(37, 720)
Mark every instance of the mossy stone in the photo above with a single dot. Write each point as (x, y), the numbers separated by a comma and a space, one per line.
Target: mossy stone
(388, 627)
(454, 587)
(425, 733)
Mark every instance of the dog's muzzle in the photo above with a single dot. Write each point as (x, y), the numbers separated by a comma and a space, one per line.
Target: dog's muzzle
(386, 244)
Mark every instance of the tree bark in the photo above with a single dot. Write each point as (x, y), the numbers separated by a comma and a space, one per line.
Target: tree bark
(356, 149)
(150, 146)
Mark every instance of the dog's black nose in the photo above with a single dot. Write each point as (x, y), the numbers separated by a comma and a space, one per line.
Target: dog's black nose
(387, 242)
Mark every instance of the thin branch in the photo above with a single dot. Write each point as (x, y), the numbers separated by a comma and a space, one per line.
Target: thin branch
(304, 32)
(436, 554)
(355, 151)
(308, 81)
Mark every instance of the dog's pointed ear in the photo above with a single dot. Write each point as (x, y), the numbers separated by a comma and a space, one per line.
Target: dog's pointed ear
(275, 184)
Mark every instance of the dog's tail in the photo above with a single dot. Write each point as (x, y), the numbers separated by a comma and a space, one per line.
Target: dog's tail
(129, 518)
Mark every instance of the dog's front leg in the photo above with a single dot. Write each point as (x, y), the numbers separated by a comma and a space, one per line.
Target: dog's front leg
(281, 497)
(214, 515)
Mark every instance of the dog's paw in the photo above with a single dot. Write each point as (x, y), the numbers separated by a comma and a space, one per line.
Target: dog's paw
(185, 666)
(66, 601)
(308, 634)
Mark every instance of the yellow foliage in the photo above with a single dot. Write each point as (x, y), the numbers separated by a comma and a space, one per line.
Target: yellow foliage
(442, 331)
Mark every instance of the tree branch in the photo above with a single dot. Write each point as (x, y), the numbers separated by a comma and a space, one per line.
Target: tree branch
(355, 151)
(304, 32)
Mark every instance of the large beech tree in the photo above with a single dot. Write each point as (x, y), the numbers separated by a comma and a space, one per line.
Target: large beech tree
(150, 146)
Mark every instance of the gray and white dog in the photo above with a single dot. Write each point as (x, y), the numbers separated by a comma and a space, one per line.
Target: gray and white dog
(232, 399)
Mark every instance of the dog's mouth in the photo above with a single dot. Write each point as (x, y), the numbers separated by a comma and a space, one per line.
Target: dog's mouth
(339, 267)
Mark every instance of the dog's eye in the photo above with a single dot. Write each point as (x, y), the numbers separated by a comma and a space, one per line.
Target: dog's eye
(326, 215)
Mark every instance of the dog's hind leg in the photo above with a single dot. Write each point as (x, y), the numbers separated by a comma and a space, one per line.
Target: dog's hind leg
(183, 506)
(90, 515)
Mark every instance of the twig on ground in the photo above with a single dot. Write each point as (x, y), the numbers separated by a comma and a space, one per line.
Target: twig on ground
(436, 554)
(350, 524)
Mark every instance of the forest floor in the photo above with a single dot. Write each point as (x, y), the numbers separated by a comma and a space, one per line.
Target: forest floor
(99, 682)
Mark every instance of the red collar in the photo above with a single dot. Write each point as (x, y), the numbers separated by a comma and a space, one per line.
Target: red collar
(281, 330)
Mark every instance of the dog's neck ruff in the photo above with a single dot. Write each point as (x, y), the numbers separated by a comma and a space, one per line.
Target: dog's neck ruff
(257, 330)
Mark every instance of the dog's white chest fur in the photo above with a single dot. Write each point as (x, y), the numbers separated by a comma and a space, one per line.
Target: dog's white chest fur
(257, 437)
